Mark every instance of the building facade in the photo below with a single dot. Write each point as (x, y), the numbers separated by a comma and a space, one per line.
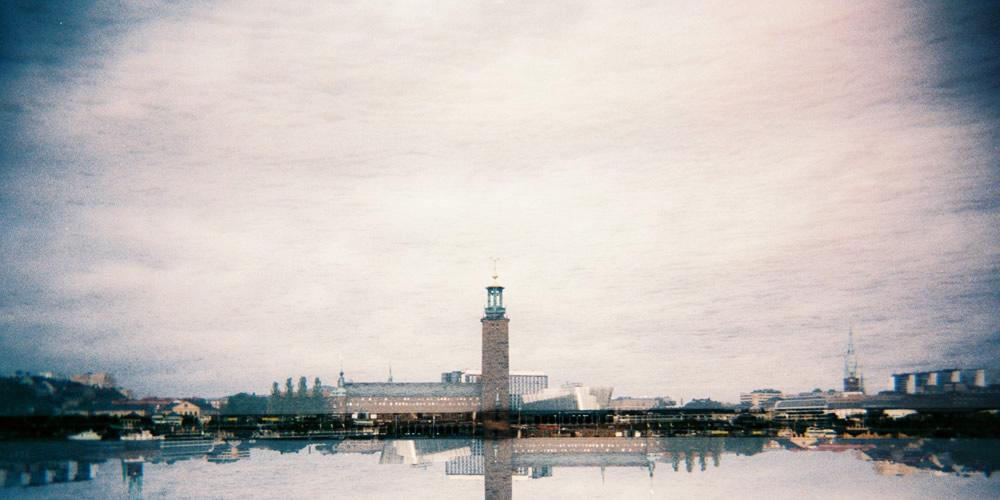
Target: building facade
(521, 383)
(760, 399)
(102, 380)
(803, 405)
(569, 397)
(950, 380)
(417, 397)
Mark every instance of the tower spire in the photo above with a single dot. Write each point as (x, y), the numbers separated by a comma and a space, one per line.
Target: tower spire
(340, 381)
(850, 359)
(852, 382)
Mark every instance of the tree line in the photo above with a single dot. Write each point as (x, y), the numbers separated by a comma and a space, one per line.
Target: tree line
(292, 400)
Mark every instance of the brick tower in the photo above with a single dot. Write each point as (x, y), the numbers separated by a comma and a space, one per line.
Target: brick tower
(495, 382)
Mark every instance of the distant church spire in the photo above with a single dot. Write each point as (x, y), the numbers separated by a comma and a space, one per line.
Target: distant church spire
(850, 360)
(852, 380)
(390, 374)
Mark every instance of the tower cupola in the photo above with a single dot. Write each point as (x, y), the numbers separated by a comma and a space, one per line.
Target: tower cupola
(494, 300)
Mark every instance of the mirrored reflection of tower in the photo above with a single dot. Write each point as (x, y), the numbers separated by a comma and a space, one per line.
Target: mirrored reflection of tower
(495, 383)
(132, 475)
(497, 469)
(852, 378)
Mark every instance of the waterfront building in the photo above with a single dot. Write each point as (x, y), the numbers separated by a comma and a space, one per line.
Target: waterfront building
(487, 391)
(189, 408)
(806, 404)
(640, 404)
(199, 410)
(407, 397)
(760, 399)
(400, 397)
(521, 382)
(569, 397)
(949, 380)
(455, 377)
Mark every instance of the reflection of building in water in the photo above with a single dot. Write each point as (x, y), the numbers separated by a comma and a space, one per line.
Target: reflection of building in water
(132, 475)
(538, 457)
(474, 464)
(497, 469)
(903, 457)
(365, 446)
(624, 452)
(17, 474)
(182, 447)
(959, 457)
(424, 451)
(230, 451)
(48, 462)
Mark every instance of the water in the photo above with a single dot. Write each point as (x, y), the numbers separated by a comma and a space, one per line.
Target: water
(538, 468)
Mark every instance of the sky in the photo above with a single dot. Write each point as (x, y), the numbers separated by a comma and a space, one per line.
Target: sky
(686, 199)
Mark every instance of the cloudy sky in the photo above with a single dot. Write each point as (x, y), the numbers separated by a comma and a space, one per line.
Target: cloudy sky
(687, 199)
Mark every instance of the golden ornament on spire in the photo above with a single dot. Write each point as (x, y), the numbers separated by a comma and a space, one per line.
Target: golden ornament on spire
(495, 275)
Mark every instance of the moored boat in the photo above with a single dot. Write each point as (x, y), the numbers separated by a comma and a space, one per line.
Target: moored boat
(87, 435)
(143, 435)
(820, 433)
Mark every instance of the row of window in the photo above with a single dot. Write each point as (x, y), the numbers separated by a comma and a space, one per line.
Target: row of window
(418, 398)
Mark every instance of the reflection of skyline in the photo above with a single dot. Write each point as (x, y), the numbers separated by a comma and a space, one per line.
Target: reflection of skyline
(964, 458)
(37, 464)
(542, 457)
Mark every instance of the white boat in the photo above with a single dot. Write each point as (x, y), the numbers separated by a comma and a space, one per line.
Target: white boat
(88, 435)
(820, 433)
(144, 435)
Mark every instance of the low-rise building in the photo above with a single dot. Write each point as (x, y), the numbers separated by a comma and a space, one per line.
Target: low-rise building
(640, 404)
(568, 398)
(949, 380)
(760, 399)
(803, 405)
(420, 397)
(184, 408)
(102, 380)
